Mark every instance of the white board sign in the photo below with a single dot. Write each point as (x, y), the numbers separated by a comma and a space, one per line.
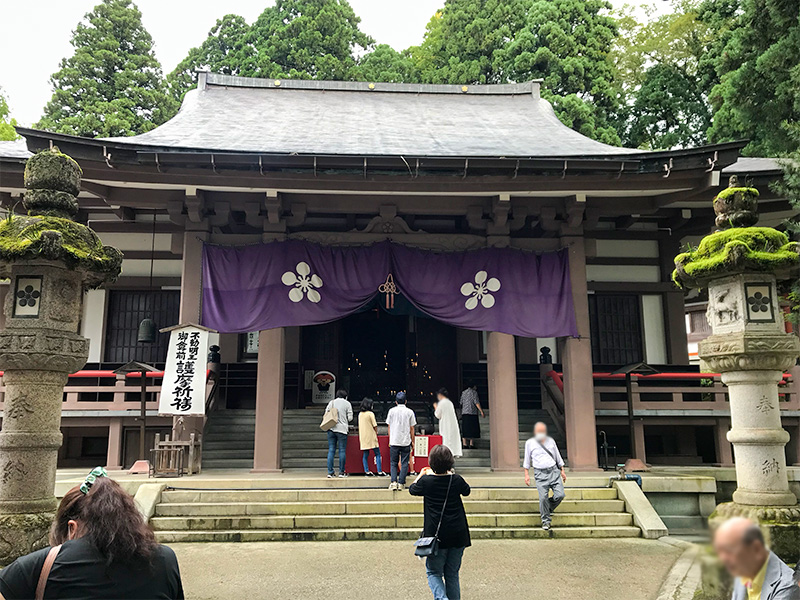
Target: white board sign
(323, 388)
(183, 391)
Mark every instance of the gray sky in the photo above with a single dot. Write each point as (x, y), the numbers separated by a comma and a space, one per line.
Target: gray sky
(36, 35)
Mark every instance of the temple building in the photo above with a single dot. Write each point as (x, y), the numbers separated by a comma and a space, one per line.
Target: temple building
(382, 180)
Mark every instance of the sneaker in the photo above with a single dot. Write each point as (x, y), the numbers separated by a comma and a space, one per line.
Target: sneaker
(382, 474)
(400, 487)
(393, 486)
(370, 474)
(343, 475)
(330, 476)
(546, 526)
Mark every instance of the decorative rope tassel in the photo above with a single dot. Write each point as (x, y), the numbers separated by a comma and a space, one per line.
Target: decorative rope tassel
(389, 288)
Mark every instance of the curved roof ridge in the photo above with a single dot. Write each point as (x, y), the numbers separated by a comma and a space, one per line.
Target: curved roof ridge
(220, 80)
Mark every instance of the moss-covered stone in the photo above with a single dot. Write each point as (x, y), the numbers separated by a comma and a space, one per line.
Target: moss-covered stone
(55, 238)
(22, 534)
(51, 203)
(736, 206)
(53, 170)
(737, 250)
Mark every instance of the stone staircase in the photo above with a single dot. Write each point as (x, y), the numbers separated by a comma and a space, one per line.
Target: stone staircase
(228, 439)
(320, 510)
(230, 434)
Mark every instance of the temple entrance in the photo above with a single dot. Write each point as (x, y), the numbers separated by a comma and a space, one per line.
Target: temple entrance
(377, 353)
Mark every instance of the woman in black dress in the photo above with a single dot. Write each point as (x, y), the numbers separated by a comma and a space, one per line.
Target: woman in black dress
(436, 484)
(101, 548)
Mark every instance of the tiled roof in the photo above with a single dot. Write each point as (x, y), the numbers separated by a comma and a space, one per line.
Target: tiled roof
(348, 118)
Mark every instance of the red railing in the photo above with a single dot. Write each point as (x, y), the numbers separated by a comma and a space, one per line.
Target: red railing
(111, 392)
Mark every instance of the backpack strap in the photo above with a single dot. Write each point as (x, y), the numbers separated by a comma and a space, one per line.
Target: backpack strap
(45, 573)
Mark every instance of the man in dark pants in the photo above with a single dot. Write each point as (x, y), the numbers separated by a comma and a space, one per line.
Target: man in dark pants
(401, 421)
(541, 454)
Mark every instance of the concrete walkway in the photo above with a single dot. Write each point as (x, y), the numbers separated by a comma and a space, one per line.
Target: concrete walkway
(624, 569)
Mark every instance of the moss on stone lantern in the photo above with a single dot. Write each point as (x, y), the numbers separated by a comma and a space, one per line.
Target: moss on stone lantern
(740, 265)
(50, 261)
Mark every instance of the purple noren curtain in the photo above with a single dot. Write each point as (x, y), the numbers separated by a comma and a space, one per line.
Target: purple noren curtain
(284, 284)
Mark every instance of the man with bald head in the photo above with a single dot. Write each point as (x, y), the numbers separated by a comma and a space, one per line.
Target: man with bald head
(542, 455)
(760, 574)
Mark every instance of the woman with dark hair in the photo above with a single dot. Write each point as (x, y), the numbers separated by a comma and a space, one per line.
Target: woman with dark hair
(445, 519)
(470, 407)
(368, 437)
(101, 547)
(448, 422)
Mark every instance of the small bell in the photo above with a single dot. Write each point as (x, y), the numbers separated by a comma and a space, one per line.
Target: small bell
(147, 331)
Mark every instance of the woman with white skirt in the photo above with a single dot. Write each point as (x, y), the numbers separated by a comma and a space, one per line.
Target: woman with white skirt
(448, 422)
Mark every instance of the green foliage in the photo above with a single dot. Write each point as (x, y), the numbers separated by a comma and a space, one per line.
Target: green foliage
(736, 250)
(759, 88)
(7, 124)
(661, 71)
(223, 51)
(112, 84)
(305, 39)
(567, 44)
(385, 63)
(465, 42)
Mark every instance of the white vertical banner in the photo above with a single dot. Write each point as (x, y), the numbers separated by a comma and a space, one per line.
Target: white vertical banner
(183, 390)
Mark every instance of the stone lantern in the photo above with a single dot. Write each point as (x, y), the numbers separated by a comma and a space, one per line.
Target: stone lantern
(741, 265)
(50, 260)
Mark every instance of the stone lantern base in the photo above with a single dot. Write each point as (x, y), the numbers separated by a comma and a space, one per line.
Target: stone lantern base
(24, 533)
(780, 525)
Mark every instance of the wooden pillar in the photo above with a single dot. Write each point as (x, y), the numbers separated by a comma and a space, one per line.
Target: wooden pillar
(637, 443)
(674, 306)
(577, 362)
(504, 422)
(723, 447)
(114, 456)
(269, 401)
(191, 295)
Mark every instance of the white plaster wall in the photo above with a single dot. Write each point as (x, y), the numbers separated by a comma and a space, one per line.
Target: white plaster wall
(94, 305)
(141, 268)
(138, 241)
(550, 343)
(626, 273)
(627, 248)
(655, 339)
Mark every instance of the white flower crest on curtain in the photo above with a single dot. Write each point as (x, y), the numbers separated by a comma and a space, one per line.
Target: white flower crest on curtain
(479, 291)
(303, 283)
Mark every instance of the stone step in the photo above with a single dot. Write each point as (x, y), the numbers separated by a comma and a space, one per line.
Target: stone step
(233, 444)
(230, 463)
(247, 509)
(379, 521)
(376, 494)
(277, 535)
(312, 463)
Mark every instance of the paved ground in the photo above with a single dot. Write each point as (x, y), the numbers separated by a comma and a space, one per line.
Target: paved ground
(625, 569)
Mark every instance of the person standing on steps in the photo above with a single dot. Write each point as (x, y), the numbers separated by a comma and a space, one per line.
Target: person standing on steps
(448, 422)
(542, 455)
(368, 437)
(401, 421)
(445, 520)
(470, 407)
(337, 435)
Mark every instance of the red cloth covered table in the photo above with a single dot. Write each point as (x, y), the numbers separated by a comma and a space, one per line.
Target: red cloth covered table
(354, 465)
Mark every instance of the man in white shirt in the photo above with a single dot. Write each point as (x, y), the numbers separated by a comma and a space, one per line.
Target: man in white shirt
(401, 421)
(337, 435)
(541, 454)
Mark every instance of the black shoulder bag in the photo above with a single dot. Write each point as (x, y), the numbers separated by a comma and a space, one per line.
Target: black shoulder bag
(429, 546)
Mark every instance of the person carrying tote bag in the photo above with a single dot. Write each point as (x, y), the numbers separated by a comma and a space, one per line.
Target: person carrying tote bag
(445, 533)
